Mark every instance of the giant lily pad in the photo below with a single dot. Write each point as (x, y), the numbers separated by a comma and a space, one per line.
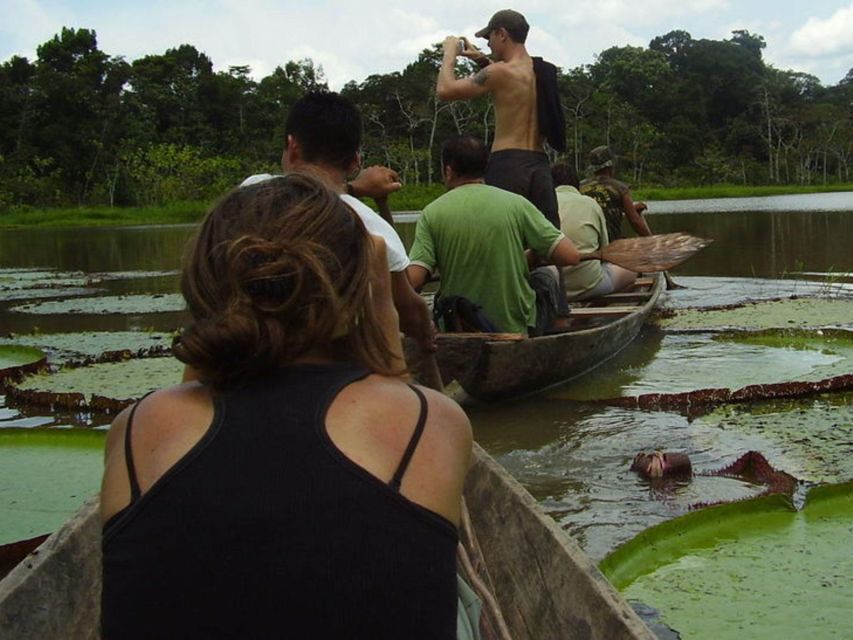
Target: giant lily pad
(14, 279)
(793, 313)
(95, 346)
(138, 304)
(811, 438)
(110, 386)
(47, 474)
(45, 293)
(735, 366)
(16, 360)
(756, 569)
(714, 291)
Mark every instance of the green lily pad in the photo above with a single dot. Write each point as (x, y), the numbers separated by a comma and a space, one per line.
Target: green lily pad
(812, 438)
(109, 386)
(77, 348)
(47, 474)
(16, 360)
(14, 279)
(44, 293)
(792, 313)
(133, 304)
(731, 360)
(756, 569)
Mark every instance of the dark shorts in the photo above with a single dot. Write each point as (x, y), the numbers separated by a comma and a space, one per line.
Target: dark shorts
(527, 173)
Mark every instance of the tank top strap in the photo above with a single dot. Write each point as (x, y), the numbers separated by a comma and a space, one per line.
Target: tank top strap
(397, 480)
(135, 491)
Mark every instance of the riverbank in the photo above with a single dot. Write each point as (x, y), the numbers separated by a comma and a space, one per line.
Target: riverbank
(735, 191)
(410, 198)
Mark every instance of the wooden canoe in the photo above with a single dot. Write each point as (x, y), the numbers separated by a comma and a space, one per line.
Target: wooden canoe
(546, 586)
(500, 366)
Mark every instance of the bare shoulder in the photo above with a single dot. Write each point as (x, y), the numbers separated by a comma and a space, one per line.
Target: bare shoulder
(385, 410)
(166, 425)
(493, 74)
(448, 414)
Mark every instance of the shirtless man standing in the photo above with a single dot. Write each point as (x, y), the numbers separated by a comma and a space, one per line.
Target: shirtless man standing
(527, 108)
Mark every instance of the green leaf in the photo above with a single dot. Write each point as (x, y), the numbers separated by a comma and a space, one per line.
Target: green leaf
(756, 568)
(47, 474)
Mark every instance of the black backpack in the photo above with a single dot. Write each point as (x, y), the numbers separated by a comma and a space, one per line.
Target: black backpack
(457, 314)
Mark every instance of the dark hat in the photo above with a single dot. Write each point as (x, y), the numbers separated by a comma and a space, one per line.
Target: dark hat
(600, 158)
(510, 20)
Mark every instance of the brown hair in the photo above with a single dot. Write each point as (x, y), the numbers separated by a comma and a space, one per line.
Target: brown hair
(277, 269)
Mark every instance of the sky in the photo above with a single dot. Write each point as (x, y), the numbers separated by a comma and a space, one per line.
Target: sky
(352, 40)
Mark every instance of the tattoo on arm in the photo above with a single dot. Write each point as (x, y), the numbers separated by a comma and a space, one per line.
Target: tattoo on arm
(480, 77)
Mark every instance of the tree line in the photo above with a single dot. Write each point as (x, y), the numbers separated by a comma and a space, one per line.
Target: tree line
(78, 126)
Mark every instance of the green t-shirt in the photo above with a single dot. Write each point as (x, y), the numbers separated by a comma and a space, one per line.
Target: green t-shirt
(475, 235)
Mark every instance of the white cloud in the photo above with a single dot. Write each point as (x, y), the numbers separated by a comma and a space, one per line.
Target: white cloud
(353, 40)
(825, 37)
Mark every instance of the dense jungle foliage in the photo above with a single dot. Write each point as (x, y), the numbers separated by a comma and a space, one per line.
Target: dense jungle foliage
(78, 126)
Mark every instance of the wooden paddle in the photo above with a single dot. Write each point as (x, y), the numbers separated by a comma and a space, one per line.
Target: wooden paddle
(648, 254)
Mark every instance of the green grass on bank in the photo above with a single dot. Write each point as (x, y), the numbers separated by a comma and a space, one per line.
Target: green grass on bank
(410, 198)
(173, 213)
(733, 191)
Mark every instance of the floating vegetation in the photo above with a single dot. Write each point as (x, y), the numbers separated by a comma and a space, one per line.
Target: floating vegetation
(16, 361)
(128, 305)
(790, 572)
(813, 438)
(95, 346)
(47, 474)
(129, 275)
(792, 313)
(15, 279)
(715, 291)
(697, 402)
(100, 387)
(753, 365)
(41, 294)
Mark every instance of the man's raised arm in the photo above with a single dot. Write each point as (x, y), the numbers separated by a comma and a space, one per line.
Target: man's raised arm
(449, 87)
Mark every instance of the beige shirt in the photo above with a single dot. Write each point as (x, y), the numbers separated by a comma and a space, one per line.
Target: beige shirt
(581, 220)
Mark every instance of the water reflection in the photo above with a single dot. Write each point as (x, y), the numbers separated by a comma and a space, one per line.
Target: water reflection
(573, 456)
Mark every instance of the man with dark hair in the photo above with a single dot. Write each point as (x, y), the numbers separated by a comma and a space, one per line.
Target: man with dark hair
(323, 136)
(476, 236)
(582, 220)
(527, 107)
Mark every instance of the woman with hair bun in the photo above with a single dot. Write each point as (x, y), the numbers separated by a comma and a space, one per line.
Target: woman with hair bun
(300, 488)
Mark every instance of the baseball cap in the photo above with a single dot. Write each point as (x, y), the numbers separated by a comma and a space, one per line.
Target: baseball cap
(600, 158)
(510, 20)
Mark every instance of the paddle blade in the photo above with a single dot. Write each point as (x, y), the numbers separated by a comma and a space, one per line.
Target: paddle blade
(648, 254)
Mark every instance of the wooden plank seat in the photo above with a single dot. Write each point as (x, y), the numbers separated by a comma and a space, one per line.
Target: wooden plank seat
(596, 312)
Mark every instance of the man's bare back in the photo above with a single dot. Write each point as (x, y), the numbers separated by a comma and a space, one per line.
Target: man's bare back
(518, 162)
(512, 84)
(514, 94)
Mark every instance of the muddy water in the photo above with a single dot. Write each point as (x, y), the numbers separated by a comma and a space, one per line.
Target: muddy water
(572, 455)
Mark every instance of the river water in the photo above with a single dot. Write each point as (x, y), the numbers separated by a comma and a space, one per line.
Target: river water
(572, 455)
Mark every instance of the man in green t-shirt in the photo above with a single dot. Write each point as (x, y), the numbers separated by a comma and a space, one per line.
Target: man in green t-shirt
(476, 236)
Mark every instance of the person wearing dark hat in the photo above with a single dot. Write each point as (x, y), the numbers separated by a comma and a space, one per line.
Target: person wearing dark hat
(614, 196)
(527, 107)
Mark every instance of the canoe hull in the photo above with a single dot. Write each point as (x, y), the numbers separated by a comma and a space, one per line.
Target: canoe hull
(499, 369)
(546, 585)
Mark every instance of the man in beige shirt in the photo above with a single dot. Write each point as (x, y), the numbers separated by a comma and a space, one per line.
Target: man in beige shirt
(526, 107)
(582, 221)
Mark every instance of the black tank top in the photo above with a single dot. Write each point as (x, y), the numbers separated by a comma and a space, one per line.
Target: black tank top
(266, 530)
